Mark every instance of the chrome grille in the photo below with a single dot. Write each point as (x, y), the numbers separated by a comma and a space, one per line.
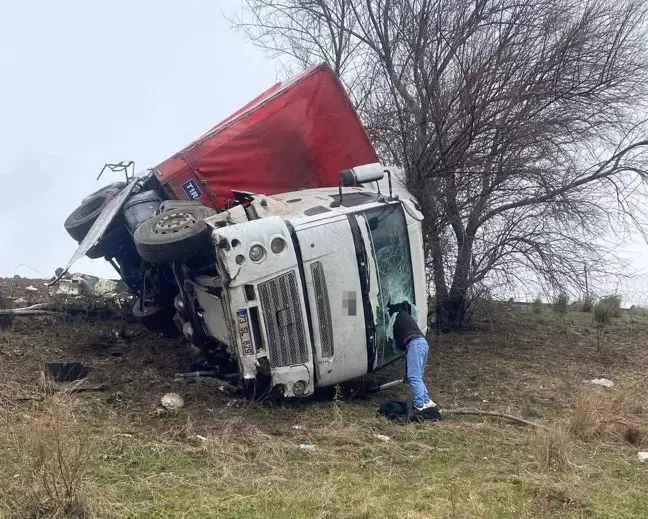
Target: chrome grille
(323, 309)
(283, 319)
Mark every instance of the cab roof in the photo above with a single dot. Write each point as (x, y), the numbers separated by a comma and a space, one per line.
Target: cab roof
(312, 202)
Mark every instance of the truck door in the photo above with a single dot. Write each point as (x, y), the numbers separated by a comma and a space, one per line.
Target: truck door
(335, 300)
(385, 231)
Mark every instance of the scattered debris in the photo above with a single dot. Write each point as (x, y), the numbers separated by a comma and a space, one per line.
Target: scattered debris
(306, 447)
(195, 374)
(228, 389)
(201, 438)
(298, 427)
(642, 456)
(109, 288)
(37, 309)
(31, 288)
(86, 285)
(172, 401)
(382, 437)
(75, 286)
(602, 382)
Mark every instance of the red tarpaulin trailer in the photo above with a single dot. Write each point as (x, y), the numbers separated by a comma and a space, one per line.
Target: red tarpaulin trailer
(298, 134)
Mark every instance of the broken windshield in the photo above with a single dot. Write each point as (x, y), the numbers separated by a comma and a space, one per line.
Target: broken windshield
(388, 230)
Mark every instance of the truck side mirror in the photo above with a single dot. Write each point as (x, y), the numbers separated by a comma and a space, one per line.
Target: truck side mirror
(362, 174)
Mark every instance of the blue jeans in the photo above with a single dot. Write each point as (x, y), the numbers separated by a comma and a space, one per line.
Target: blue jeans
(416, 358)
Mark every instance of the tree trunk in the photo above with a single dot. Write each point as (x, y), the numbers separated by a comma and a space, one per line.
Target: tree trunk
(451, 309)
(438, 271)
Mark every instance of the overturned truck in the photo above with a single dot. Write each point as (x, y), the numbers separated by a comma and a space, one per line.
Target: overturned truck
(273, 243)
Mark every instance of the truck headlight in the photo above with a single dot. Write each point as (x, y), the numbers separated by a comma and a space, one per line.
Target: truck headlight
(257, 252)
(277, 245)
(299, 387)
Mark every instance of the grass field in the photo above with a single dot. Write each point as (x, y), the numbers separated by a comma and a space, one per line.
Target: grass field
(113, 453)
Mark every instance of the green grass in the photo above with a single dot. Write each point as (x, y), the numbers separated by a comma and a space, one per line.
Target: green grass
(463, 468)
(150, 465)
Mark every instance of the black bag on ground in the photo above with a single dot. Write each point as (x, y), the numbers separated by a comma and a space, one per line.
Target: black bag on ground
(401, 412)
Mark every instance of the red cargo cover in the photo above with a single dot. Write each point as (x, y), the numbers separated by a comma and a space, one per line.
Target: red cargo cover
(298, 134)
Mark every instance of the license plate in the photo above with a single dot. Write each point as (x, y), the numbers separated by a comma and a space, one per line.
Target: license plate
(244, 332)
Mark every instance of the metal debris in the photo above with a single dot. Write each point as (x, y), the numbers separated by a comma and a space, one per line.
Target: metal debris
(76, 286)
(87, 285)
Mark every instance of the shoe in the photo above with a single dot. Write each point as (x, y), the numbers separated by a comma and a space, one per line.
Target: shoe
(429, 405)
(429, 411)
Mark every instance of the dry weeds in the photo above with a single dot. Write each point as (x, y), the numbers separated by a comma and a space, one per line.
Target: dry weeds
(611, 416)
(221, 458)
(552, 448)
(52, 454)
(585, 423)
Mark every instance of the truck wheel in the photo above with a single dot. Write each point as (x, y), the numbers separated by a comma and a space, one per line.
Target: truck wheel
(175, 235)
(83, 217)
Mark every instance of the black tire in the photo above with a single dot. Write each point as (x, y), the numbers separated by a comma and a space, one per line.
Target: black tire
(175, 235)
(83, 217)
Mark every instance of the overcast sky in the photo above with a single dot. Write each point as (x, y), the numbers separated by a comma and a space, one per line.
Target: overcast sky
(85, 83)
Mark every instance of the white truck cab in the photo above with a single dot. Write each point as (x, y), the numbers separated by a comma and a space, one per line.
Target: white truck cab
(304, 282)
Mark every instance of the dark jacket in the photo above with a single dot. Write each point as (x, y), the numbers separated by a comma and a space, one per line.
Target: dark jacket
(405, 330)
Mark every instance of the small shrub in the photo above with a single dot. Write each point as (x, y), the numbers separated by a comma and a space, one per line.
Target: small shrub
(609, 417)
(613, 303)
(561, 303)
(585, 422)
(640, 311)
(607, 308)
(537, 305)
(54, 458)
(602, 313)
(552, 448)
(587, 305)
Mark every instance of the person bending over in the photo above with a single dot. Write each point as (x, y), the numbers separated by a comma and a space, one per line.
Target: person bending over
(409, 337)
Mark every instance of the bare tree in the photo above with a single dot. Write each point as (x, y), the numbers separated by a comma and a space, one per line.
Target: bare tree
(519, 123)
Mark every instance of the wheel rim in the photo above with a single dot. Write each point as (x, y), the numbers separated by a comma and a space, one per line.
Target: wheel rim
(174, 222)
